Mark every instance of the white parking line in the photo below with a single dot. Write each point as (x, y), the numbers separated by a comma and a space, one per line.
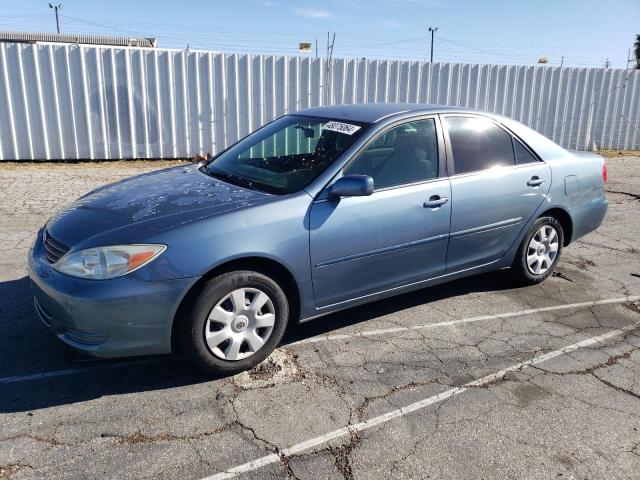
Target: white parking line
(74, 371)
(400, 412)
(368, 333)
(482, 318)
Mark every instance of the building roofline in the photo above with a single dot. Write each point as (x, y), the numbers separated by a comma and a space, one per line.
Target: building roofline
(107, 40)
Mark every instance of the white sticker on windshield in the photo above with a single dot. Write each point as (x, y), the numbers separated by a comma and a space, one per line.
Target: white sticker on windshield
(341, 127)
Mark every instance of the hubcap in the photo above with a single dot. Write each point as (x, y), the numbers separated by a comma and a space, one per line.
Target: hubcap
(240, 324)
(542, 250)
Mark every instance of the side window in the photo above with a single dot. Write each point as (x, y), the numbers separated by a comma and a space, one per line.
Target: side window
(404, 154)
(478, 144)
(522, 154)
(385, 140)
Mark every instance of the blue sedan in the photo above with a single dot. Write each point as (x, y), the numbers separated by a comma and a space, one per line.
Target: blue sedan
(315, 212)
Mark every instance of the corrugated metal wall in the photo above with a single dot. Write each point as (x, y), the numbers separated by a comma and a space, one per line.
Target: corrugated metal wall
(79, 102)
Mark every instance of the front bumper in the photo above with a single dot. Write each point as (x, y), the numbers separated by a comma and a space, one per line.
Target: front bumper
(121, 317)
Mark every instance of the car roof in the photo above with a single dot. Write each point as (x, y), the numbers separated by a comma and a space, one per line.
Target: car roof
(374, 112)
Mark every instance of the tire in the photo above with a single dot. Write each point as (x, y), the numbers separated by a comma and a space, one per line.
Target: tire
(525, 270)
(221, 334)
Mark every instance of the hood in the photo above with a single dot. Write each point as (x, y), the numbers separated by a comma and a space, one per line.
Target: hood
(149, 203)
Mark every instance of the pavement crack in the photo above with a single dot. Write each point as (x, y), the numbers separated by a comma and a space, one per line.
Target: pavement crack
(8, 471)
(341, 457)
(272, 447)
(139, 437)
(633, 306)
(617, 387)
(635, 196)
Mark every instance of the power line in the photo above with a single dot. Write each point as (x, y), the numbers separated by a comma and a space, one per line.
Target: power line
(284, 42)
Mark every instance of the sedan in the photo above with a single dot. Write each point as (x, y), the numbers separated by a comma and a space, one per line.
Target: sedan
(315, 212)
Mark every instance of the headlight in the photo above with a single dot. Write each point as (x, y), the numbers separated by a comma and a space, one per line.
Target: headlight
(101, 263)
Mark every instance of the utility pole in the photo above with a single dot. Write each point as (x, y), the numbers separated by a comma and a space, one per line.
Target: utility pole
(333, 42)
(329, 65)
(607, 63)
(56, 8)
(433, 31)
(561, 61)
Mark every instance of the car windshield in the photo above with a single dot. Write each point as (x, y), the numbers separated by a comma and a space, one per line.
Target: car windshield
(285, 155)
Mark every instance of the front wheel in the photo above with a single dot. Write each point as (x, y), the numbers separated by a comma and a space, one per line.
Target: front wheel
(539, 252)
(238, 319)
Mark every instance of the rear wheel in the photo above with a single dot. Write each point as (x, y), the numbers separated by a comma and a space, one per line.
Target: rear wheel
(539, 252)
(237, 321)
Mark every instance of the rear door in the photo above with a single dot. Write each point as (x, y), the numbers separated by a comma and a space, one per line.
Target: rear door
(397, 235)
(497, 184)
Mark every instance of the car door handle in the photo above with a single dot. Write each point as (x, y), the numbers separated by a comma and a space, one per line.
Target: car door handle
(435, 201)
(536, 181)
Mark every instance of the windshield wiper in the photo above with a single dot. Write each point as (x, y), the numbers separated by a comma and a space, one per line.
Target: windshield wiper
(231, 178)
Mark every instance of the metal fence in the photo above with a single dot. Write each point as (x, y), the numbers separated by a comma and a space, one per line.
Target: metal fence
(79, 102)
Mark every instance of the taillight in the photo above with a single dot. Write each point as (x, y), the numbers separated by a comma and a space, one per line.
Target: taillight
(604, 171)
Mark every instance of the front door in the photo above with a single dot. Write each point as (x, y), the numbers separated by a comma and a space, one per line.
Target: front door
(496, 186)
(397, 235)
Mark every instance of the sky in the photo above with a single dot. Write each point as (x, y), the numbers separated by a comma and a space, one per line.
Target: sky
(586, 33)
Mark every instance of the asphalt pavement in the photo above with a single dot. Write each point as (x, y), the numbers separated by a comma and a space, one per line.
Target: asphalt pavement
(472, 379)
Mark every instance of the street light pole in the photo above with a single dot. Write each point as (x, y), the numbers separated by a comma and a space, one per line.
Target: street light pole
(433, 31)
(56, 8)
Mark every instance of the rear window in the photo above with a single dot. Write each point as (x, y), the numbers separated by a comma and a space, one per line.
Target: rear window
(477, 144)
(522, 154)
(544, 148)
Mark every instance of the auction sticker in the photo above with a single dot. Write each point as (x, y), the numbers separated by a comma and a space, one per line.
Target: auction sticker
(341, 127)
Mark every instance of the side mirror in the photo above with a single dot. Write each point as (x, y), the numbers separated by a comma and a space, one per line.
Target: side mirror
(352, 186)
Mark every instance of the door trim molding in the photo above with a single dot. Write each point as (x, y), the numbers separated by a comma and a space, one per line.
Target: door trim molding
(483, 228)
(379, 251)
(388, 292)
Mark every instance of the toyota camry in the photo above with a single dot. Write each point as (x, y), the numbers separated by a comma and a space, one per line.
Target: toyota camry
(317, 211)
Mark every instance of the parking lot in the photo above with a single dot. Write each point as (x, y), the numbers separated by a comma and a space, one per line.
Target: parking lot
(472, 379)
